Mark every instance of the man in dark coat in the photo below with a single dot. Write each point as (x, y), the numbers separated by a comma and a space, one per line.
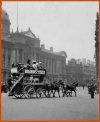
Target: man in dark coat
(92, 90)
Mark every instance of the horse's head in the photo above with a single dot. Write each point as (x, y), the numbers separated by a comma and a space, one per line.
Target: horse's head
(75, 84)
(61, 83)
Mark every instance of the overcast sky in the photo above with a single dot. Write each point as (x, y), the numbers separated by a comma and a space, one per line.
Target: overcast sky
(66, 26)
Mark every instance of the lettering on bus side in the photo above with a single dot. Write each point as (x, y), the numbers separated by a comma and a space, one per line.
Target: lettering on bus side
(34, 72)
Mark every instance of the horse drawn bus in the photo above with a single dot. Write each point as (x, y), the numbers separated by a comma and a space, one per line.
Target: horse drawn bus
(26, 81)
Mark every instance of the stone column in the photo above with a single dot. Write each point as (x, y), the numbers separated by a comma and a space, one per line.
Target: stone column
(6, 58)
(34, 56)
(13, 56)
(17, 55)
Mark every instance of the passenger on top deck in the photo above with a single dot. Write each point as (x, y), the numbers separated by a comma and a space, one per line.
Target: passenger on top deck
(39, 65)
(34, 64)
(28, 64)
(13, 65)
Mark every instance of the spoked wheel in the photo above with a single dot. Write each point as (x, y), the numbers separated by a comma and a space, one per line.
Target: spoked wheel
(18, 91)
(40, 92)
(18, 95)
(29, 91)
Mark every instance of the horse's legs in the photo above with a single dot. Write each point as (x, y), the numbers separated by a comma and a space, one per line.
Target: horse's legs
(47, 93)
(53, 92)
(75, 92)
(58, 92)
(71, 94)
(66, 92)
(63, 92)
(50, 92)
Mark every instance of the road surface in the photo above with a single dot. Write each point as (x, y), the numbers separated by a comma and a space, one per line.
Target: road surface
(81, 107)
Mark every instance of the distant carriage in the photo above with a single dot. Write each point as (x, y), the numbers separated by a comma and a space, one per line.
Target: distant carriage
(26, 81)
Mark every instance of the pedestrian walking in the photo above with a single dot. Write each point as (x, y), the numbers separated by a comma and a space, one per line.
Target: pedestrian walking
(92, 91)
(83, 86)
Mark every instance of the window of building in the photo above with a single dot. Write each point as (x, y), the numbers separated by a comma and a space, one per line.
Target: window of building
(9, 59)
(52, 65)
(20, 55)
(37, 57)
(55, 66)
(4, 77)
(15, 56)
(49, 65)
(3, 59)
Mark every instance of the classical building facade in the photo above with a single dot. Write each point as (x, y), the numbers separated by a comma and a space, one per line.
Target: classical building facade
(6, 45)
(21, 46)
(89, 71)
(80, 71)
(74, 71)
(96, 55)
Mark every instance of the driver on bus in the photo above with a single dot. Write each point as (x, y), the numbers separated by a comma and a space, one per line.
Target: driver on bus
(39, 65)
(34, 64)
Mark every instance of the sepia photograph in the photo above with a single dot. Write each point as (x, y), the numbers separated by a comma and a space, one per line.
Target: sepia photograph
(50, 60)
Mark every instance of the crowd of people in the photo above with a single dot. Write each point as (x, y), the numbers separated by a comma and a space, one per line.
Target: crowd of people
(36, 65)
(30, 64)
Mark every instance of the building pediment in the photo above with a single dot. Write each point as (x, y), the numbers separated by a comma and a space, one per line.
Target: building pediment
(29, 33)
(62, 53)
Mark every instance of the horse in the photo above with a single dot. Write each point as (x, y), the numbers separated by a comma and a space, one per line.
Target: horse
(55, 87)
(52, 88)
(69, 89)
(47, 88)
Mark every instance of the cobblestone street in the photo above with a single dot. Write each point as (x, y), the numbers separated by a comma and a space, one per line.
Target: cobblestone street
(81, 107)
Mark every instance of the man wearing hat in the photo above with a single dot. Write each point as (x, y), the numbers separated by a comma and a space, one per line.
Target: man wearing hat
(92, 89)
(34, 64)
(39, 65)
